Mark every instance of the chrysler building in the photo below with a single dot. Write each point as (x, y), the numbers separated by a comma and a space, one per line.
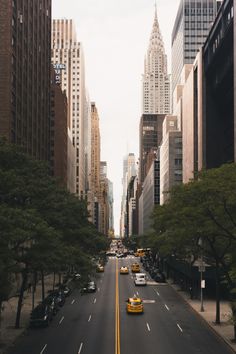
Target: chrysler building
(156, 81)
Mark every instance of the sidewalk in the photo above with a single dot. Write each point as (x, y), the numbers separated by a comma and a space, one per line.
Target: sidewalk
(225, 329)
(8, 333)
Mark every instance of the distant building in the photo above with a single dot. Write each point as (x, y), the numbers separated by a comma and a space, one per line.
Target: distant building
(156, 81)
(105, 201)
(94, 178)
(150, 196)
(170, 157)
(25, 66)
(68, 60)
(131, 222)
(129, 170)
(192, 24)
(150, 137)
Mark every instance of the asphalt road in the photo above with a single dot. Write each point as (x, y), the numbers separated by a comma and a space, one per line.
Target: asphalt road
(98, 323)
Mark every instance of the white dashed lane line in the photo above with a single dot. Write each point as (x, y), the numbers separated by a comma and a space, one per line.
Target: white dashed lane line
(98, 289)
(43, 349)
(61, 320)
(95, 300)
(72, 302)
(148, 327)
(167, 307)
(80, 348)
(89, 318)
(179, 327)
(157, 292)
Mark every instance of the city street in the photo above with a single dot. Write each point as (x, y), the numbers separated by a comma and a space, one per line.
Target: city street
(98, 322)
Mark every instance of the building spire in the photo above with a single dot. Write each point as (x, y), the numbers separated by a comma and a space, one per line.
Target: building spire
(155, 10)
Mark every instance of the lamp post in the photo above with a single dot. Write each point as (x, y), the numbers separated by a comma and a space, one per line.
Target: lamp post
(201, 270)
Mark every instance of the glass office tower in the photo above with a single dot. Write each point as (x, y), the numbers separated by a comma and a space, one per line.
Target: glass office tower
(192, 24)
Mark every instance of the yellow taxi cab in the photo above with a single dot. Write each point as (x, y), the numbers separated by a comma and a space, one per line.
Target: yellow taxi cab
(135, 268)
(100, 268)
(124, 270)
(134, 305)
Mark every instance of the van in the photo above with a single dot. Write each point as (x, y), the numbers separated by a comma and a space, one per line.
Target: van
(140, 279)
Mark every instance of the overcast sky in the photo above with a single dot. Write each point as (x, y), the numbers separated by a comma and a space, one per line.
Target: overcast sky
(115, 36)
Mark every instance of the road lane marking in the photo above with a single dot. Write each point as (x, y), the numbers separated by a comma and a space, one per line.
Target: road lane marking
(98, 289)
(43, 349)
(95, 300)
(89, 318)
(157, 292)
(117, 314)
(72, 302)
(179, 327)
(148, 327)
(61, 320)
(80, 348)
(149, 301)
(167, 307)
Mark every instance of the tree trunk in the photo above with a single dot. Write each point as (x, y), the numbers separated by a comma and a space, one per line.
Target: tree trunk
(34, 289)
(217, 294)
(21, 296)
(53, 284)
(43, 285)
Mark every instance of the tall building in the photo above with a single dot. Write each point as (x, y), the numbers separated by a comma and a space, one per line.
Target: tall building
(58, 133)
(150, 195)
(156, 81)
(219, 75)
(170, 157)
(94, 188)
(25, 66)
(67, 53)
(192, 24)
(105, 202)
(150, 137)
(129, 170)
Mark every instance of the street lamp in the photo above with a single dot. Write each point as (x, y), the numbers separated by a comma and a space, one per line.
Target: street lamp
(201, 269)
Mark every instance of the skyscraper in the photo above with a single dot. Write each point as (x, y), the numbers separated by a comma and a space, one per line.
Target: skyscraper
(156, 81)
(150, 137)
(193, 21)
(67, 53)
(129, 170)
(94, 179)
(25, 68)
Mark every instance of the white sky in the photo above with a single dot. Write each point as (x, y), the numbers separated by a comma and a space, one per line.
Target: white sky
(115, 36)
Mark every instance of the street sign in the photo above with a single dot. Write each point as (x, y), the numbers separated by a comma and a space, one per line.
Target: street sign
(203, 284)
(202, 268)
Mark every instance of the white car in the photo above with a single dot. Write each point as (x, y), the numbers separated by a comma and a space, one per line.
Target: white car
(140, 279)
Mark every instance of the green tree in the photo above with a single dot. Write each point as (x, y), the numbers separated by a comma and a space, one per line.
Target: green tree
(202, 209)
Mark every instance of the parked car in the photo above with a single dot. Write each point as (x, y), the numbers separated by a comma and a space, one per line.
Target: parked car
(51, 301)
(159, 277)
(41, 315)
(66, 290)
(59, 296)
